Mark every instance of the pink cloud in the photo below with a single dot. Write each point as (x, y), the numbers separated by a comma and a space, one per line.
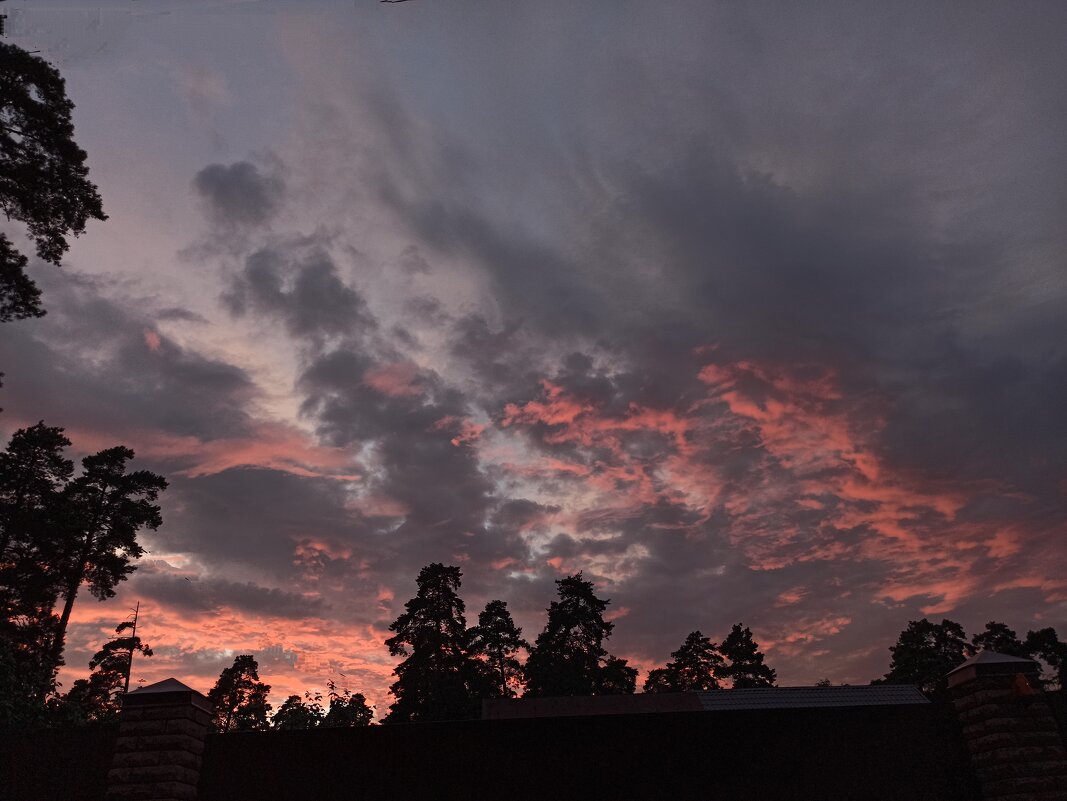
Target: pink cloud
(397, 380)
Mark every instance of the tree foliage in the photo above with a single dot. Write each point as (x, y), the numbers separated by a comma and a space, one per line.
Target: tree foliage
(998, 637)
(44, 180)
(59, 532)
(696, 666)
(97, 698)
(437, 680)
(240, 698)
(100, 513)
(347, 710)
(33, 474)
(744, 661)
(1045, 646)
(925, 652)
(496, 639)
(298, 713)
(568, 657)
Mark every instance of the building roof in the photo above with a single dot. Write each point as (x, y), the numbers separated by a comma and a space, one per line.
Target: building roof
(987, 657)
(713, 701)
(165, 686)
(582, 705)
(809, 697)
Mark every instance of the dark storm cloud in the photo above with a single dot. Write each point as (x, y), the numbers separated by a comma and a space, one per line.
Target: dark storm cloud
(209, 595)
(857, 269)
(254, 518)
(299, 283)
(413, 462)
(94, 364)
(239, 194)
(180, 314)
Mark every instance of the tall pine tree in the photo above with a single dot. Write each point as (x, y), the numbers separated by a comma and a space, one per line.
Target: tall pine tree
(100, 513)
(240, 698)
(696, 666)
(497, 640)
(33, 472)
(437, 680)
(568, 657)
(744, 660)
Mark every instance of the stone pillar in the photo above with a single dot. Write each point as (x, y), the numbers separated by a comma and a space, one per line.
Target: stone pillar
(1012, 737)
(162, 728)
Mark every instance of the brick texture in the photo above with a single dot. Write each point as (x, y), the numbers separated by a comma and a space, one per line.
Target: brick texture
(1013, 739)
(158, 752)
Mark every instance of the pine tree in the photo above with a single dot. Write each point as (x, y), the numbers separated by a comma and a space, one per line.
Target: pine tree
(100, 513)
(240, 698)
(33, 472)
(744, 661)
(497, 640)
(437, 680)
(696, 666)
(97, 698)
(43, 177)
(568, 657)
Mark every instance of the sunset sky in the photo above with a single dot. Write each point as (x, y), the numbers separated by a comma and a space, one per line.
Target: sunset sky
(749, 314)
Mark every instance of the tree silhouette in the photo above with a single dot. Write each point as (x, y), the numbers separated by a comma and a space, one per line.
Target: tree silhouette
(744, 661)
(43, 176)
(100, 513)
(616, 677)
(437, 680)
(998, 637)
(33, 473)
(347, 710)
(568, 657)
(497, 639)
(240, 698)
(1045, 645)
(97, 698)
(298, 713)
(925, 652)
(696, 666)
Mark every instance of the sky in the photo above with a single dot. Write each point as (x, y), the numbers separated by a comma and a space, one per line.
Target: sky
(751, 312)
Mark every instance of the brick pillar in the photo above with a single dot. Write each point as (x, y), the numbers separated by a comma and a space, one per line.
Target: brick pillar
(162, 729)
(1015, 746)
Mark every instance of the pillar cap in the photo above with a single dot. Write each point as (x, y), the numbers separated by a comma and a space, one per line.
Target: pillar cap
(990, 663)
(169, 692)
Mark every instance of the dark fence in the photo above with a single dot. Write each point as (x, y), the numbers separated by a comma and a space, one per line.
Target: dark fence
(1057, 699)
(907, 753)
(47, 764)
(904, 753)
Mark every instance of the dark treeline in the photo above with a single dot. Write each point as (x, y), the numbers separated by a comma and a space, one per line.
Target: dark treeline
(925, 652)
(447, 668)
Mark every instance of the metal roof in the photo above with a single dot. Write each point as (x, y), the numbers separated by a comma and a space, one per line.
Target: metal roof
(808, 697)
(988, 657)
(165, 686)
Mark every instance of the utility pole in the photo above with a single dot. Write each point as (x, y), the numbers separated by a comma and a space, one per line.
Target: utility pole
(133, 643)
